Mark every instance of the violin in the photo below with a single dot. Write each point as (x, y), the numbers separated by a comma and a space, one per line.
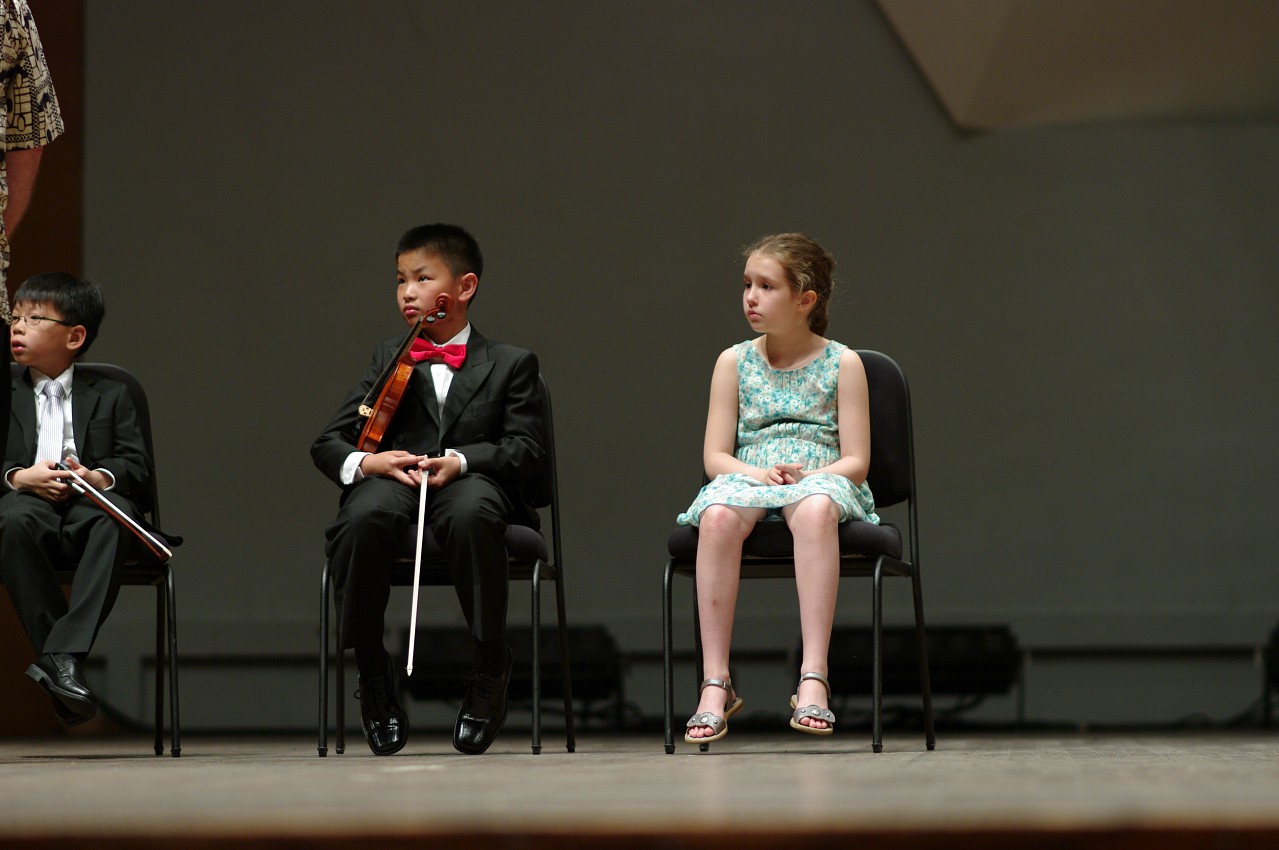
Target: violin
(390, 385)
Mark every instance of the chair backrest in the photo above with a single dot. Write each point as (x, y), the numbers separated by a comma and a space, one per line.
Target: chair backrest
(892, 450)
(540, 489)
(139, 398)
(547, 482)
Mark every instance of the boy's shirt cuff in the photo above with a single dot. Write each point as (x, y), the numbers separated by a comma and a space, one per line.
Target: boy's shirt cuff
(351, 473)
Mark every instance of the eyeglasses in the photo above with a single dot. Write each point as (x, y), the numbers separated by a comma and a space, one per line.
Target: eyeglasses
(34, 321)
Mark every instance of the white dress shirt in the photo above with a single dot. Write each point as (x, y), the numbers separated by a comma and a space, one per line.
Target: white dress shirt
(39, 379)
(442, 377)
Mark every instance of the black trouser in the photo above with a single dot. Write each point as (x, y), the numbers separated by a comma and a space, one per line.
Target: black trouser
(468, 519)
(34, 535)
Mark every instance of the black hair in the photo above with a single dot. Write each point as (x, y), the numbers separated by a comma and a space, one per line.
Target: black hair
(79, 301)
(457, 248)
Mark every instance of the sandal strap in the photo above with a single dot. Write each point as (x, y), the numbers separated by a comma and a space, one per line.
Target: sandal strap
(714, 721)
(727, 685)
(818, 676)
(816, 713)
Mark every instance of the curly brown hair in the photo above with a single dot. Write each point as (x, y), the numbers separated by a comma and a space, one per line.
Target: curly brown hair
(808, 265)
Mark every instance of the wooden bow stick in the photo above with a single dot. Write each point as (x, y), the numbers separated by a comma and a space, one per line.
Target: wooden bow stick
(417, 569)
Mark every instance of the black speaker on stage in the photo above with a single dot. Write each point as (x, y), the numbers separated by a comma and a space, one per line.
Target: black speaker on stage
(442, 660)
(1272, 659)
(1271, 682)
(967, 660)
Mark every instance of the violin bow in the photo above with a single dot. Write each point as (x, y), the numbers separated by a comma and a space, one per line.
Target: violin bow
(84, 488)
(417, 571)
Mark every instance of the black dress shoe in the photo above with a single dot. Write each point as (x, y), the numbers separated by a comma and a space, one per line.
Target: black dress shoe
(483, 711)
(70, 717)
(62, 679)
(381, 716)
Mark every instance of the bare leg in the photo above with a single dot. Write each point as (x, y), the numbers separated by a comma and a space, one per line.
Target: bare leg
(719, 558)
(814, 523)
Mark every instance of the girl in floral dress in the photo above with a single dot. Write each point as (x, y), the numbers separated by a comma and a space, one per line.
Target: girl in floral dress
(787, 440)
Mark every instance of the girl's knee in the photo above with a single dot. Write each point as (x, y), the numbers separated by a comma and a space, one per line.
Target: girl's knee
(816, 513)
(723, 521)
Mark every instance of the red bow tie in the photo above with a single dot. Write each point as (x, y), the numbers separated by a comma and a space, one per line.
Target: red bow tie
(452, 355)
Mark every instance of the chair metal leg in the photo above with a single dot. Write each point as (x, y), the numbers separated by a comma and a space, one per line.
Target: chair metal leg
(565, 667)
(877, 676)
(537, 657)
(160, 617)
(322, 746)
(921, 646)
(668, 672)
(175, 729)
(339, 690)
(339, 695)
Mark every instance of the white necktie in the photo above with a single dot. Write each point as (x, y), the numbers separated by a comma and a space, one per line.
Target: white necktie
(52, 433)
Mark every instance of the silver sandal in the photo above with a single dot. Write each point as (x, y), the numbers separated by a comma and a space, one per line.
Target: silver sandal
(812, 711)
(714, 721)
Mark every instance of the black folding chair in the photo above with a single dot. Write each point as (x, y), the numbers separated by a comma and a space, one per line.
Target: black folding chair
(865, 550)
(141, 569)
(529, 560)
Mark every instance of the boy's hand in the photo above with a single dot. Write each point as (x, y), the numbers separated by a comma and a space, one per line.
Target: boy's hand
(397, 464)
(440, 471)
(45, 480)
(98, 479)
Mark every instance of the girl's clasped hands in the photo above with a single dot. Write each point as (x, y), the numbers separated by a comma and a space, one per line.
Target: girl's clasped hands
(783, 473)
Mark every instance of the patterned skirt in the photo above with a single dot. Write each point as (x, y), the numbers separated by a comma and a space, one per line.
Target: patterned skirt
(743, 491)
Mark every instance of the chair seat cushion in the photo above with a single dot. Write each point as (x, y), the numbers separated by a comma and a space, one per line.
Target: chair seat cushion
(773, 540)
(522, 544)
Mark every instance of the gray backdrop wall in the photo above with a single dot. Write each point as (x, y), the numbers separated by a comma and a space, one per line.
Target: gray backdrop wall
(1087, 314)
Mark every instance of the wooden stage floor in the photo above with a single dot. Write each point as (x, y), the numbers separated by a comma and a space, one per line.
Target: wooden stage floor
(1176, 790)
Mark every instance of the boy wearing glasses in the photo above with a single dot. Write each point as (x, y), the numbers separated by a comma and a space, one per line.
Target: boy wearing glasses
(90, 425)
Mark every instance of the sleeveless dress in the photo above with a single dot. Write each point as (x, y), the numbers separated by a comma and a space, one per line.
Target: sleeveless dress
(786, 416)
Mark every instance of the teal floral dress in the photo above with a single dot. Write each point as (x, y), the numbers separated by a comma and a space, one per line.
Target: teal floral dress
(786, 416)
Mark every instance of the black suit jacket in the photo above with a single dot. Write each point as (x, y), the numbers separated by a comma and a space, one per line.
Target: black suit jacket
(104, 422)
(492, 414)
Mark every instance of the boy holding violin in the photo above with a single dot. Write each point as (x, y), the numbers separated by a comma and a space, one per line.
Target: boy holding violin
(464, 421)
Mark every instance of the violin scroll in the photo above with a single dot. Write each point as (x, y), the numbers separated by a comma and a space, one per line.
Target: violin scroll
(442, 305)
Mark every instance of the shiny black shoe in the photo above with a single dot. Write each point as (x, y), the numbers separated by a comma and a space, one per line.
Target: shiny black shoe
(63, 681)
(381, 716)
(72, 717)
(483, 711)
